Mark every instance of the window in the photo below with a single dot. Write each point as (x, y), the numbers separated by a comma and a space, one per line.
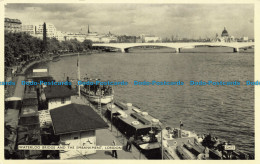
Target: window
(63, 101)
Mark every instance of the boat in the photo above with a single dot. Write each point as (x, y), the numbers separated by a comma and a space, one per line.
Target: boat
(183, 144)
(131, 121)
(173, 140)
(97, 93)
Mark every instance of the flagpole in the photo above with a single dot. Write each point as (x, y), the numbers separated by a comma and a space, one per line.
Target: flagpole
(78, 74)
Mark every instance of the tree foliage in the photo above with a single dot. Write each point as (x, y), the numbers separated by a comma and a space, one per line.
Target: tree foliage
(18, 45)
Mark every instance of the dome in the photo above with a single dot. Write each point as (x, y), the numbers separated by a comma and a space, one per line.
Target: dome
(224, 32)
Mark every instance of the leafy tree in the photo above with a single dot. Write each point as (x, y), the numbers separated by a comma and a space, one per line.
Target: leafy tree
(87, 44)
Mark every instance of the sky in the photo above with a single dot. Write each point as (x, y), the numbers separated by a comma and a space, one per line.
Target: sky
(163, 20)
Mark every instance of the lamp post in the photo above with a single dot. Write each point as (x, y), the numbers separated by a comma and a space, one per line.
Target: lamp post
(111, 110)
(161, 139)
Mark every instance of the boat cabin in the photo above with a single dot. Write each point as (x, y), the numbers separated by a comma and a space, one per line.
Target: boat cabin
(131, 121)
(93, 89)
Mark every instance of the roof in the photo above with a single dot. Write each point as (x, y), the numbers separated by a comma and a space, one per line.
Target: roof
(74, 118)
(29, 120)
(224, 32)
(58, 91)
(134, 114)
(30, 95)
(29, 102)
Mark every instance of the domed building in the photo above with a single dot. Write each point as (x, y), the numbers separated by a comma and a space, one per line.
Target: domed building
(224, 33)
(224, 37)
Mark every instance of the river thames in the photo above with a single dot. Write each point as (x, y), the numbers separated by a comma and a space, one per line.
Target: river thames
(224, 111)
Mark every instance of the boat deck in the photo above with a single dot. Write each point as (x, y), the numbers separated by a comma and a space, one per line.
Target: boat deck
(132, 115)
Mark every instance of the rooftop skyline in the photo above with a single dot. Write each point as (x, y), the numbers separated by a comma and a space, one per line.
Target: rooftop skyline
(164, 20)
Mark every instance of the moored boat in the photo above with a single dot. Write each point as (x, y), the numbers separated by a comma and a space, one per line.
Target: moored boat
(97, 93)
(131, 121)
(182, 144)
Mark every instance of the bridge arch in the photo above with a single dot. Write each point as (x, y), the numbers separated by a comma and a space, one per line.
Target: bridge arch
(163, 46)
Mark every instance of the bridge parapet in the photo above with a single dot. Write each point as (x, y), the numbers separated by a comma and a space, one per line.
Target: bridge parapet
(177, 45)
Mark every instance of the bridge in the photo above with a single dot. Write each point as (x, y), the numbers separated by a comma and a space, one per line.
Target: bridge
(177, 46)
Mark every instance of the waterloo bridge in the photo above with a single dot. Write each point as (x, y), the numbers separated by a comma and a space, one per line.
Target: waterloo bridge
(178, 45)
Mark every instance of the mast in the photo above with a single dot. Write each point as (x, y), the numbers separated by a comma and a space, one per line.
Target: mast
(78, 74)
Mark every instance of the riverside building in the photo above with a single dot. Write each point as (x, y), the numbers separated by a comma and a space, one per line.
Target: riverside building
(13, 25)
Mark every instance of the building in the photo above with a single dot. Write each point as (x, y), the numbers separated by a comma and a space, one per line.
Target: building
(150, 38)
(13, 25)
(78, 36)
(76, 125)
(60, 36)
(225, 37)
(108, 39)
(224, 33)
(57, 96)
(29, 29)
(50, 28)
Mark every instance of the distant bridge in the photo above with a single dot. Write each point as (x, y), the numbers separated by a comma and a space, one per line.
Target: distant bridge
(177, 46)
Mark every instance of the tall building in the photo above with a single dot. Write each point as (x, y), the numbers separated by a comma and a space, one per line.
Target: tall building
(60, 36)
(51, 30)
(29, 29)
(13, 25)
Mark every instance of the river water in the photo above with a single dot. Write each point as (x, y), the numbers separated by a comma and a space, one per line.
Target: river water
(223, 111)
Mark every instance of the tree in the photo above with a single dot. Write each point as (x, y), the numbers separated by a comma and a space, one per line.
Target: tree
(87, 44)
(19, 44)
(53, 45)
(44, 45)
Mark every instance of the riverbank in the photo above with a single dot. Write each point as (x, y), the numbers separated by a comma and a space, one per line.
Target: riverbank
(9, 90)
(74, 54)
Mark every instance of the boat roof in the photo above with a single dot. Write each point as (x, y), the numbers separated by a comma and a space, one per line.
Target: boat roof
(30, 95)
(29, 110)
(134, 114)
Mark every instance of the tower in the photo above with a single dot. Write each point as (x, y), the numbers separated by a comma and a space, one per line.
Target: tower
(88, 29)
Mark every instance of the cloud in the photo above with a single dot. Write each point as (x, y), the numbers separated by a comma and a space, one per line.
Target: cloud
(184, 20)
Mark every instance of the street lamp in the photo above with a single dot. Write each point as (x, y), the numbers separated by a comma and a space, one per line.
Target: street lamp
(161, 139)
(111, 110)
